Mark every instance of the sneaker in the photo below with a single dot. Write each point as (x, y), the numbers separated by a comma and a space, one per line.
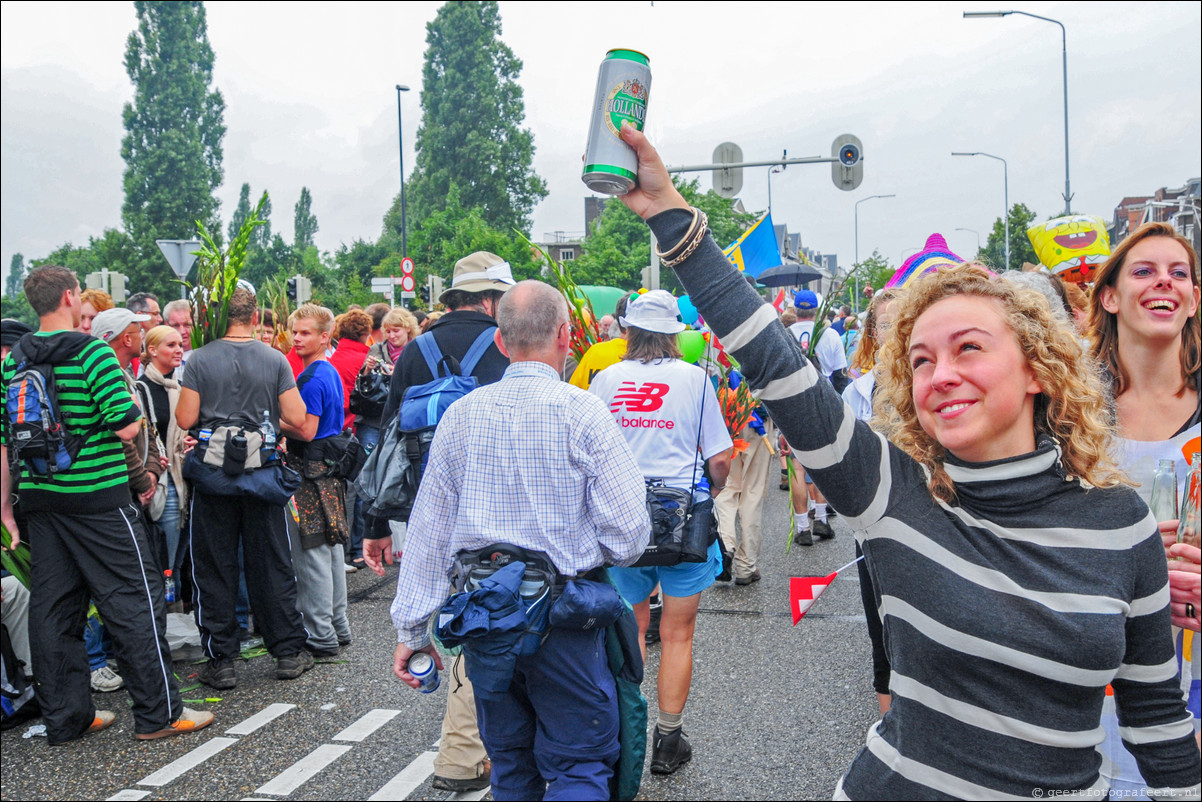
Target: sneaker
(477, 783)
(189, 721)
(293, 665)
(322, 654)
(727, 561)
(803, 538)
(105, 680)
(350, 569)
(218, 674)
(101, 721)
(754, 576)
(823, 530)
(669, 751)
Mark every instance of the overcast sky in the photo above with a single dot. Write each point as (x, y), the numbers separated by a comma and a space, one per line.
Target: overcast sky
(310, 101)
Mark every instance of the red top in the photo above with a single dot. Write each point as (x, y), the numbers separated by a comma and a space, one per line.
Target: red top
(348, 359)
(294, 360)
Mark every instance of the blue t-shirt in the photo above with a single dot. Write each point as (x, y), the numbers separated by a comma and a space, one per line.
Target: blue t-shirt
(321, 390)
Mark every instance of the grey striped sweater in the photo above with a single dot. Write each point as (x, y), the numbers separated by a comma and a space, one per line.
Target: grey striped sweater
(1005, 615)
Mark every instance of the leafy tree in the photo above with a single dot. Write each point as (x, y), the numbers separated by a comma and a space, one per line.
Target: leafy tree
(113, 250)
(472, 111)
(619, 247)
(304, 226)
(241, 211)
(451, 234)
(173, 132)
(875, 272)
(16, 277)
(362, 257)
(18, 308)
(1021, 250)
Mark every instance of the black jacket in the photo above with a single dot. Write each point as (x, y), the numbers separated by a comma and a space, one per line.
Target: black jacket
(454, 332)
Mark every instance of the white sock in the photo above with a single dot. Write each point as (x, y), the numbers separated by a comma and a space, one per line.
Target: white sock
(800, 523)
(810, 507)
(820, 511)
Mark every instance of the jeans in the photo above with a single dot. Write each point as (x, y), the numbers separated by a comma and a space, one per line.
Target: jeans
(369, 437)
(98, 643)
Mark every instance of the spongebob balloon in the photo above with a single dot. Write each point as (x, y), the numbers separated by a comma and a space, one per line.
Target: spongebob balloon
(1071, 247)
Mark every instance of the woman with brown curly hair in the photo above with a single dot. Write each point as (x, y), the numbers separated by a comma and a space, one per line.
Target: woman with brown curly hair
(1014, 574)
(1144, 317)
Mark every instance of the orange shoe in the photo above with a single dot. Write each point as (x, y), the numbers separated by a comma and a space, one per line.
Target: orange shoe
(102, 721)
(189, 721)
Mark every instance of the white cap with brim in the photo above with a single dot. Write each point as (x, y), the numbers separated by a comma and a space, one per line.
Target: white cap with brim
(111, 322)
(480, 272)
(654, 311)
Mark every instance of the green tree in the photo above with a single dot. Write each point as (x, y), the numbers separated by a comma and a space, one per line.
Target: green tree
(16, 277)
(1021, 250)
(304, 225)
(619, 246)
(451, 234)
(472, 112)
(18, 308)
(173, 132)
(241, 211)
(113, 250)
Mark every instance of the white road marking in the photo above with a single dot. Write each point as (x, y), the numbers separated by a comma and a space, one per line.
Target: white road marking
(130, 794)
(264, 716)
(188, 762)
(302, 770)
(402, 785)
(372, 721)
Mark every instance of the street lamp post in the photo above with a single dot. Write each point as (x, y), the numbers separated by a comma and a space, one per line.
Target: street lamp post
(973, 231)
(1006, 189)
(856, 302)
(401, 144)
(1068, 195)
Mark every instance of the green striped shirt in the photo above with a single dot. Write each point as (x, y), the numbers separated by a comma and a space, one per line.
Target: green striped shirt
(94, 403)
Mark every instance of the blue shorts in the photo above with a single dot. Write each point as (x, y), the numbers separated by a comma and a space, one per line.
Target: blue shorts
(679, 581)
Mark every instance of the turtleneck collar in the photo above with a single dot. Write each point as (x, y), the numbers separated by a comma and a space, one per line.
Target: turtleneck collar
(1024, 479)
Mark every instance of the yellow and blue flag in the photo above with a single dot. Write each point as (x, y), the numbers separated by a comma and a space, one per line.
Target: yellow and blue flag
(756, 249)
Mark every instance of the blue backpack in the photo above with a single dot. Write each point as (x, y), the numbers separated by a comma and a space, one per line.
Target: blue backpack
(37, 438)
(424, 404)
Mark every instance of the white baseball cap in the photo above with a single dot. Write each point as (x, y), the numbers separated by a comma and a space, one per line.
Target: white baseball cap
(111, 322)
(654, 311)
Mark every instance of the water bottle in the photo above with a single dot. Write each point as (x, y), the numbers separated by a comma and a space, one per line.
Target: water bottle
(268, 431)
(1191, 508)
(168, 586)
(1164, 491)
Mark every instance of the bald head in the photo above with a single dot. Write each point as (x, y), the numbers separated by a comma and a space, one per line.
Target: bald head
(529, 318)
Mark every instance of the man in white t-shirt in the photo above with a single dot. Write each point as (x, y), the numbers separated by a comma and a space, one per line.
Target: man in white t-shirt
(832, 362)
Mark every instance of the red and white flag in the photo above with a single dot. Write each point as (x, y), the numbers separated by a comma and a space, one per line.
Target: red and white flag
(779, 303)
(805, 590)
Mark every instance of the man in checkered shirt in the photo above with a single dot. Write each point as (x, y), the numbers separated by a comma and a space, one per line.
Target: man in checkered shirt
(537, 463)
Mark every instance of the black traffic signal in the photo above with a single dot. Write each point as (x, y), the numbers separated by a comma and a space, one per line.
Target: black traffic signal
(292, 289)
(425, 293)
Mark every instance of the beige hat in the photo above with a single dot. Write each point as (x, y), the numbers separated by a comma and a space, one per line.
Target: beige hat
(480, 272)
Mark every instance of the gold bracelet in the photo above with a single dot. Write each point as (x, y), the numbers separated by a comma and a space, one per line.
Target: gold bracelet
(688, 236)
(701, 232)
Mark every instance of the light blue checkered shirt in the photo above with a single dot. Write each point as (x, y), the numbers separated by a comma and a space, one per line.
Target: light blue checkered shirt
(532, 461)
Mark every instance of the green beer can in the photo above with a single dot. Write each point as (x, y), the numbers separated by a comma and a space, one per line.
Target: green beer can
(610, 165)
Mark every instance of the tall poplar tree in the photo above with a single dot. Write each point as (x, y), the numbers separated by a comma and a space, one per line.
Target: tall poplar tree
(472, 113)
(173, 133)
(304, 222)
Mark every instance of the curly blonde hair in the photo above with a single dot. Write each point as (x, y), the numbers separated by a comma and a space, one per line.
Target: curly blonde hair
(864, 358)
(1072, 408)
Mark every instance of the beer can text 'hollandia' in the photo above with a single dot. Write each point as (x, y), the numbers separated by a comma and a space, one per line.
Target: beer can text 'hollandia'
(623, 84)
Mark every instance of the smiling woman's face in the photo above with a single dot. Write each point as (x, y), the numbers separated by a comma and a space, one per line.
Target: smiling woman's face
(1152, 296)
(973, 389)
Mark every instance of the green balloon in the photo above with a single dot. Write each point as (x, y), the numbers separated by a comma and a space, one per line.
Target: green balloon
(692, 345)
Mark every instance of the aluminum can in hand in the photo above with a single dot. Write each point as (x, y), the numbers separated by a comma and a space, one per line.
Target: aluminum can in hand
(623, 84)
(421, 666)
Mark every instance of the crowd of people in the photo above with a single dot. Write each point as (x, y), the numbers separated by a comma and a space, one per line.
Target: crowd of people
(980, 434)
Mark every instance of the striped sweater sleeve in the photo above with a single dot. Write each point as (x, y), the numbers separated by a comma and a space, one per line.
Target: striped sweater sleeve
(855, 468)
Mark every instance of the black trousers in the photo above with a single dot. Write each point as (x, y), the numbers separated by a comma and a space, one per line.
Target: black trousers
(217, 525)
(106, 557)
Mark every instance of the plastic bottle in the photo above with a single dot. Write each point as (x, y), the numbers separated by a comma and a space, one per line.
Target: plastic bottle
(168, 586)
(1164, 491)
(267, 430)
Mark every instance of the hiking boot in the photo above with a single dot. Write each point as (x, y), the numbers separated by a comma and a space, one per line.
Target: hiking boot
(218, 674)
(101, 721)
(456, 786)
(803, 538)
(189, 721)
(293, 665)
(669, 751)
(105, 680)
(823, 530)
(754, 576)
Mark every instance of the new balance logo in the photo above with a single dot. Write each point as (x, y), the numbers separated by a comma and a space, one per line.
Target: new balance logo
(647, 397)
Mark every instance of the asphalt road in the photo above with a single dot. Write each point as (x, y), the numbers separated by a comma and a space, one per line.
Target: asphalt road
(775, 711)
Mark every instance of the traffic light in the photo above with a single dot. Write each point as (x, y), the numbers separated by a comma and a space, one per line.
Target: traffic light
(847, 162)
(292, 289)
(436, 288)
(300, 290)
(646, 277)
(425, 294)
(849, 155)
